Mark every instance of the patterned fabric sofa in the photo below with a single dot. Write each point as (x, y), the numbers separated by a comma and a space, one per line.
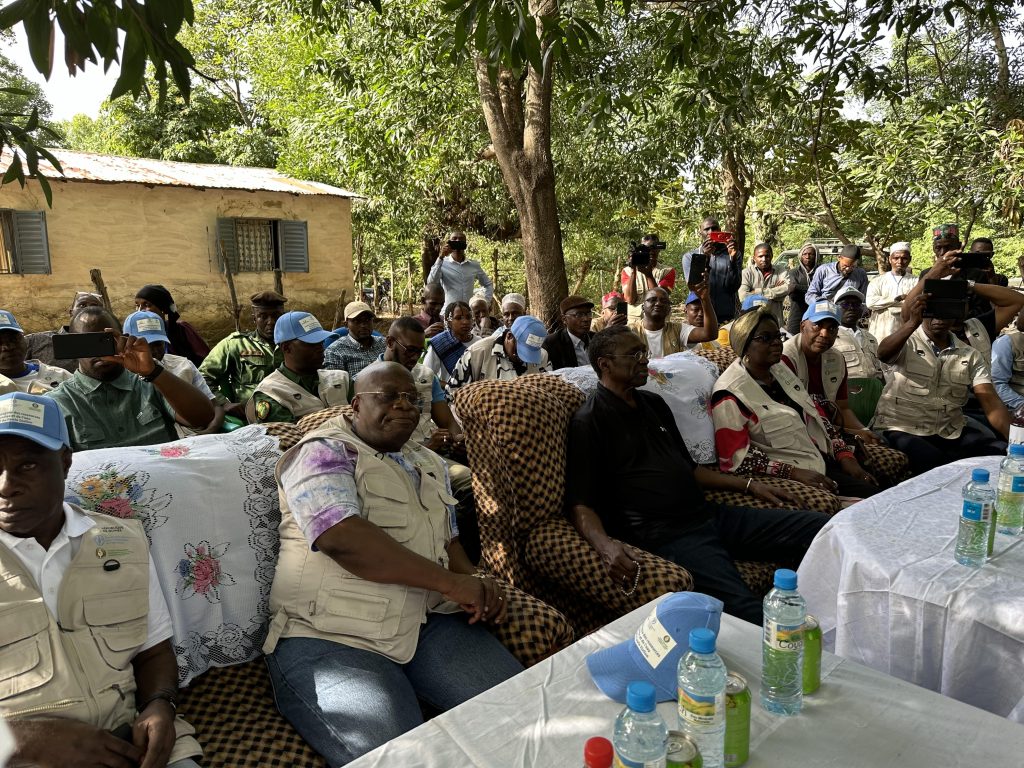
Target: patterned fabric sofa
(515, 435)
(210, 509)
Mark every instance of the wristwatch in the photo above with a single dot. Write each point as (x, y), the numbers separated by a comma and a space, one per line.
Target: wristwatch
(970, 286)
(165, 695)
(157, 370)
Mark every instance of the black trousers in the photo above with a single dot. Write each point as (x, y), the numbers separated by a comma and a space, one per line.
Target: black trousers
(741, 533)
(848, 486)
(933, 451)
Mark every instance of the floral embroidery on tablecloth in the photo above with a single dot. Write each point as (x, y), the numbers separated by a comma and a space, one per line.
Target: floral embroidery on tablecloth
(171, 451)
(199, 572)
(112, 489)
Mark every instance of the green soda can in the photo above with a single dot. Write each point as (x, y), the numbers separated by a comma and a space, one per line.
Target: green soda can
(682, 752)
(812, 655)
(737, 721)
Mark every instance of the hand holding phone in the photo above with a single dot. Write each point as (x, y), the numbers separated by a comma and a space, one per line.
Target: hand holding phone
(68, 346)
(720, 237)
(698, 266)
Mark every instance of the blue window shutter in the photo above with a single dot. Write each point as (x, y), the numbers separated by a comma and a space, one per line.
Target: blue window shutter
(226, 241)
(31, 249)
(294, 248)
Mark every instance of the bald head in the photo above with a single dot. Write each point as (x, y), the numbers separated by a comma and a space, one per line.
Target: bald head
(375, 375)
(93, 319)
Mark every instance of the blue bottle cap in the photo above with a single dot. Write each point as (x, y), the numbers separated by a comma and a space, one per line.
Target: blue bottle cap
(979, 475)
(640, 696)
(702, 640)
(1017, 449)
(785, 579)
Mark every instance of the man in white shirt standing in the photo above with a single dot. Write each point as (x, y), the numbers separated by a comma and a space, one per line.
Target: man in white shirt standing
(104, 688)
(457, 274)
(887, 291)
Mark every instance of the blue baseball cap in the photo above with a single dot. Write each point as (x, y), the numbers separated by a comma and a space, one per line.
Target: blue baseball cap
(753, 300)
(654, 651)
(691, 298)
(35, 418)
(529, 333)
(302, 326)
(8, 323)
(822, 310)
(148, 325)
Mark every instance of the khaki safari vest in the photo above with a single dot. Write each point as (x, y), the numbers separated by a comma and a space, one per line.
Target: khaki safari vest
(860, 354)
(928, 391)
(424, 378)
(314, 596)
(833, 367)
(333, 390)
(78, 665)
(670, 343)
(780, 432)
(978, 338)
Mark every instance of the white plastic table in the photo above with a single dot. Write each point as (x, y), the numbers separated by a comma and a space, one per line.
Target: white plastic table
(882, 579)
(859, 717)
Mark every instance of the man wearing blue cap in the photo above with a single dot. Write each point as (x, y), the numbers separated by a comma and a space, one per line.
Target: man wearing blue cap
(101, 684)
(516, 352)
(127, 398)
(150, 326)
(16, 372)
(701, 326)
(300, 385)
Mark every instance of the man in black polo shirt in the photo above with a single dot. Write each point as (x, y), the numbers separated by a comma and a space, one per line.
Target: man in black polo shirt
(631, 479)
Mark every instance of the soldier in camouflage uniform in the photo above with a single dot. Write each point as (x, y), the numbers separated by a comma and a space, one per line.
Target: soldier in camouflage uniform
(238, 363)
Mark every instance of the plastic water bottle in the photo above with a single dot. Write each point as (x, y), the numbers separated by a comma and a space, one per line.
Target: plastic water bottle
(1017, 427)
(598, 753)
(1010, 496)
(641, 736)
(701, 679)
(975, 520)
(782, 650)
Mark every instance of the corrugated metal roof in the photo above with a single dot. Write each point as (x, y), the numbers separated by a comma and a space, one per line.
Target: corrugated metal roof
(86, 166)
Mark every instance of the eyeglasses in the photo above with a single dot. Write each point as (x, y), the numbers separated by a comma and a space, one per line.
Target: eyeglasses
(831, 330)
(639, 355)
(579, 314)
(406, 348)
(391, 399)
(767, 338)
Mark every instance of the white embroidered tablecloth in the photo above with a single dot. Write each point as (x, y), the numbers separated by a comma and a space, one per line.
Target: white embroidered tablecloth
(883, 582)
(210, 509)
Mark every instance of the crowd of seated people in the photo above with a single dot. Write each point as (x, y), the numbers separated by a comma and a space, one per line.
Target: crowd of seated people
(865, 389)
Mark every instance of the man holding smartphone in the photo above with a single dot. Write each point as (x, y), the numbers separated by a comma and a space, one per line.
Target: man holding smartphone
(725, 267)
(126, 398)
(457, 274)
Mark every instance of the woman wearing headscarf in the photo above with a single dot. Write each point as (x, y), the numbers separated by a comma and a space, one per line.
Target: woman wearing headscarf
(767, 424)
(185, 340)
(445, 349)
(800, 279)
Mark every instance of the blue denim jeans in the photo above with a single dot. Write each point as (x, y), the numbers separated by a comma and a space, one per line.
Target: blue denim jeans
(345, 701)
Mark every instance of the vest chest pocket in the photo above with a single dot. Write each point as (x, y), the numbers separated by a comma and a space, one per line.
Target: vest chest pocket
(917, 374)
(778, 430)
(26, 659)
(959, 377)
(387, 506)
(118, 624)
(148, 414)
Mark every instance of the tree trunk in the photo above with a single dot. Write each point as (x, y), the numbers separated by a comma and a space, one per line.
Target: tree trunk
(518, 116)
(1003, 59)
(736, 184)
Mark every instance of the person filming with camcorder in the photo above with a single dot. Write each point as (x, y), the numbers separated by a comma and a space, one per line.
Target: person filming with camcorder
(642, 273)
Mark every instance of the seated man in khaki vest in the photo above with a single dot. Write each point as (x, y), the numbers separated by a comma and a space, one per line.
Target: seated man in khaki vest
(857, 345)
(372, 590)
(89, 674)
(921, 409)
(300, 385)
(1008, 365)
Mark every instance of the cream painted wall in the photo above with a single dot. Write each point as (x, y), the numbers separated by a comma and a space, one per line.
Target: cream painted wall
(138, 234)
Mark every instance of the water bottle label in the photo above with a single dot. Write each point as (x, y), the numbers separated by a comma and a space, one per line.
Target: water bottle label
(654, 641)
(625, 762)
(783, 637)
(1016, 435)
(697, 709)
(977, 511)
(1018, 484)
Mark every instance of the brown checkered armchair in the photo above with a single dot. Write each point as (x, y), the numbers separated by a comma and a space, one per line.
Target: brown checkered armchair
(232, 708)
(515, 434)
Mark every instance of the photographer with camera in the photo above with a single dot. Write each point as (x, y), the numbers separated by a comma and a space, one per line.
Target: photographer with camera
(725, 266)
(457, 274)
(642, 273)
